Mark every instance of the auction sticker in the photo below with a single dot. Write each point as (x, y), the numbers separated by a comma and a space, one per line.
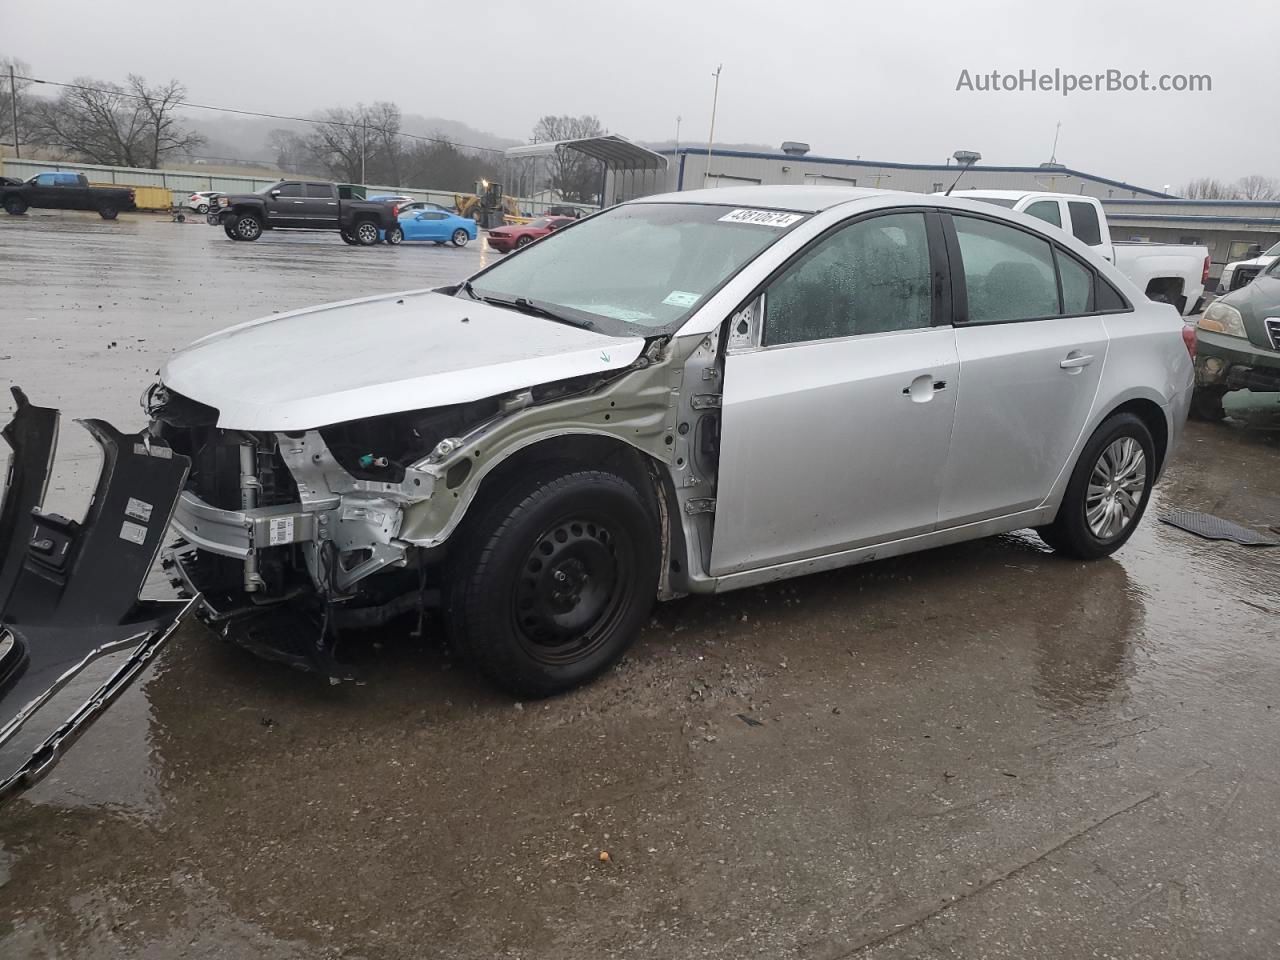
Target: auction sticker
(680, 298)
(762, 218)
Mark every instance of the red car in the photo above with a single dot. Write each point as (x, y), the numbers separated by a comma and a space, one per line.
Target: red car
(516, 235)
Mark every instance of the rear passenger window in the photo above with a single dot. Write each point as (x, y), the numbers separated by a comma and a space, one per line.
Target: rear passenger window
(1084, 222)
(1046, 210)
(1077, 286)
(869, 277)
(319, 191)
(1008, 273)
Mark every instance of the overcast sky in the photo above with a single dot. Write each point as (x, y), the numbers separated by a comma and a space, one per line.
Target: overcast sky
(876, 80)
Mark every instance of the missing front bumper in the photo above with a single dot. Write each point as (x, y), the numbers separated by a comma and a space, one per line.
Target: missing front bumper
(69, 589)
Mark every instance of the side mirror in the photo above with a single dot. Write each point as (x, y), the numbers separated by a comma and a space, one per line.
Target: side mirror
(274, 194)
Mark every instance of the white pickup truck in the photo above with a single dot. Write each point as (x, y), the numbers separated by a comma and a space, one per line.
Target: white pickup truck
(1242, 272)
(1168, 272)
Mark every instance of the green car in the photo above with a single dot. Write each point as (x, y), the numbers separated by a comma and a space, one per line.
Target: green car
(1238, 344)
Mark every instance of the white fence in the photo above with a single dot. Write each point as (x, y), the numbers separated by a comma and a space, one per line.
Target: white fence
(183, 183)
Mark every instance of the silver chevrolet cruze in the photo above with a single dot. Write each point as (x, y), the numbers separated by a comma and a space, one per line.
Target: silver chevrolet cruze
(689, 393)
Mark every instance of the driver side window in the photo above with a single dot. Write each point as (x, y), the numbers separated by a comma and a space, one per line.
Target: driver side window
(872, 276)
(290, 189)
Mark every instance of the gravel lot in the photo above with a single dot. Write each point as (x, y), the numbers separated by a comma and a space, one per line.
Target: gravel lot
(981, 751)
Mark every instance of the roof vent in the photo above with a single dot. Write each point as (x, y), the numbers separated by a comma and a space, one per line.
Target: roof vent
(794, 148)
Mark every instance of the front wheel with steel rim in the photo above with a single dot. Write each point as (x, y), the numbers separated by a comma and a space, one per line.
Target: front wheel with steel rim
(555, 579)
(1108, 490)
(366, 233)
(460, 237)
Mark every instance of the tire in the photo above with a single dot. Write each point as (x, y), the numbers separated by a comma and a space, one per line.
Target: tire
(247, 227)
(347, 236)
(527, 628)
(366, 233)
(230, 230)
(108, 211)
(15, 205)
(1110, 452)
(460, 237)
(395, 236)
(1206, 404)
(202, 208)
(524, 241)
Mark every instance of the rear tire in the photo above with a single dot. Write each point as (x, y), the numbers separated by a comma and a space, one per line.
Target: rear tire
(395, 236)
(1206, 404)
(1103, 502)
(347, 236)
(108, 211)
(15, 205)
(202, 208)
(460, 237)
(230, 230)
(556, 579)
(248, 227)
(366, 233)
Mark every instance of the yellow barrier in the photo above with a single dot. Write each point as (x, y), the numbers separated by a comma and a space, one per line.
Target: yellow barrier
(147, 198)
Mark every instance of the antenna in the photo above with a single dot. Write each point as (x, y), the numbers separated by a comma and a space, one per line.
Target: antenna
(966, 159)
(1053, 154)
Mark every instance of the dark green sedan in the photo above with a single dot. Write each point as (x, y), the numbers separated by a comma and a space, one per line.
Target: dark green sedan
(1238, 344)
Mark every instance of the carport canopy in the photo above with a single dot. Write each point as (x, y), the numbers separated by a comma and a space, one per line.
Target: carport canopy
(628, 162)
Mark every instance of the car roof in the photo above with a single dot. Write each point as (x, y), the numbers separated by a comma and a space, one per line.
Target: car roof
(801, 198)
(1014, 194)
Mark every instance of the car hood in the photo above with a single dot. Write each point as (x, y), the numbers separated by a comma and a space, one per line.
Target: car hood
(1261, 298)
(379, 355)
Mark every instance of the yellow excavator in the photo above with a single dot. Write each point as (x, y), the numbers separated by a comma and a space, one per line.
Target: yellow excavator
(489, 207)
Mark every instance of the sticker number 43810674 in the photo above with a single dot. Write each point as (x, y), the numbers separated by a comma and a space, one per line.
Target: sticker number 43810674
(762, 218)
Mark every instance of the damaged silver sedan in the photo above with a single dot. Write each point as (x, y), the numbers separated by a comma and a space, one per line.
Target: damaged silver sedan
(688, 393)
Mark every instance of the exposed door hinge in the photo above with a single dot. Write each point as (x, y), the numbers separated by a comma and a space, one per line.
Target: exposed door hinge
(700, 505)
(705, 401)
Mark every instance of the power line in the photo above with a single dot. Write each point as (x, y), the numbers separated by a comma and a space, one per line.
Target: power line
(255, 113)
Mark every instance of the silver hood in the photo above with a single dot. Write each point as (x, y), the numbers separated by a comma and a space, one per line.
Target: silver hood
(378, 355)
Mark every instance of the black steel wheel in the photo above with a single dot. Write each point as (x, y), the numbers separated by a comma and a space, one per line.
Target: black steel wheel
(15, 205)
(108, 211)
(555, 580)
(230, 230)
(1206, 403)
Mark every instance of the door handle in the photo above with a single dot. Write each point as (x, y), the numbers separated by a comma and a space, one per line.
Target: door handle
(923, 387)
(1076, 360)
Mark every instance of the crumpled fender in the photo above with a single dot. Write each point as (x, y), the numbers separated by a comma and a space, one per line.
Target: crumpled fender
(69, 589)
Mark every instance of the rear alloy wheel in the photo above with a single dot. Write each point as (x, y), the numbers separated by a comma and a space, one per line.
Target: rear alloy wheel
(366, 233)
(524, 241)
(15, 205)
(248, 227)
(395, 236)
(202, 208)
(108, 211)
(1108, 491)
(557, 579)
(460, 237)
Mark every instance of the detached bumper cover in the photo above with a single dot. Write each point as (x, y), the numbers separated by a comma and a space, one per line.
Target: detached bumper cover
(68, 589)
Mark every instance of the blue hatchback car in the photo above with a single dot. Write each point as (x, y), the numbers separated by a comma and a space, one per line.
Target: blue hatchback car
(439, 226)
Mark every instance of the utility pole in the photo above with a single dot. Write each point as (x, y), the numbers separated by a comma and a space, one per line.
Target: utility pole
(364, 143)
(711, 136)
(13, 104)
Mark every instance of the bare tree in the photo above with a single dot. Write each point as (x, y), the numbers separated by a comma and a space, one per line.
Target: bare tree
(164, 135)
(1207, 188)
(573, 175)
(1257, 187)
(105, 123)
(364, 140)
(9, 99)
(440, 163)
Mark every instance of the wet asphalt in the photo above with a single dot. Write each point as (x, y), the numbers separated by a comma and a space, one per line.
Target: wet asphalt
(979, 751)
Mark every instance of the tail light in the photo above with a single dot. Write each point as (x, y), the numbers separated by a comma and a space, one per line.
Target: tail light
(1204, 276)
(1189, 338)
(395, 209)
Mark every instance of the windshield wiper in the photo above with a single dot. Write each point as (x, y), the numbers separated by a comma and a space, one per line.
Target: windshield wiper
(525, 305)
(470, 291)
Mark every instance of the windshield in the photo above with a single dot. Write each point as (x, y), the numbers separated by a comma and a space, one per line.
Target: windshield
(1274, 269)
(639, 265)
(1273, 252)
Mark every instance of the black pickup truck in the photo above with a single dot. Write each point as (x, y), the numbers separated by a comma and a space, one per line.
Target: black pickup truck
(65, 191)
(303, 205)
